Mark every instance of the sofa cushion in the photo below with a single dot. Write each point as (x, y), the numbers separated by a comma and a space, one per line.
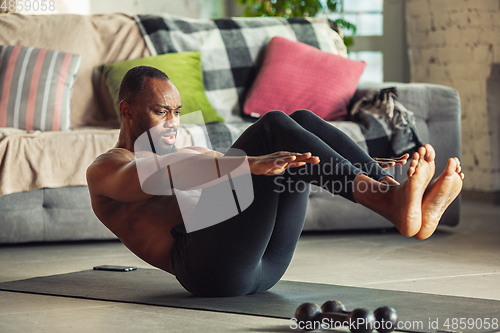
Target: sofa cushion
(183, 69)
(50, 214)
(36, 87)
(296, 76)
(99, 39)
(232, 48)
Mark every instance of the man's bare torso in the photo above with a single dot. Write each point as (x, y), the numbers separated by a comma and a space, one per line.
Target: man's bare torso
(144, 226)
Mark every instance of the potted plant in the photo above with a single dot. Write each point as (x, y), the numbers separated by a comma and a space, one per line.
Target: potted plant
(298, 8)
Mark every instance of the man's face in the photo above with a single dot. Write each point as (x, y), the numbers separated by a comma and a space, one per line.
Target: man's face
(157, 109)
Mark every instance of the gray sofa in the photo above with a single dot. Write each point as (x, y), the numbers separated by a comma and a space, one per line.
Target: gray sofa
(55, 214)
(65, 213)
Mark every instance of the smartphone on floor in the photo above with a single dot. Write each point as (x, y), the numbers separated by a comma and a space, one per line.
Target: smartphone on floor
(115, 268)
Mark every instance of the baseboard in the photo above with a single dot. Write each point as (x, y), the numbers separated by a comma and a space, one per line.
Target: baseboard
(492, 198)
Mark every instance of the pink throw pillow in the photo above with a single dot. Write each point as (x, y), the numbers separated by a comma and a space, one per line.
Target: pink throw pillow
(296, 76)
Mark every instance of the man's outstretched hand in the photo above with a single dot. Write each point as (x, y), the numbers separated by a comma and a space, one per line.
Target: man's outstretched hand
(386, 163)
(276, 163)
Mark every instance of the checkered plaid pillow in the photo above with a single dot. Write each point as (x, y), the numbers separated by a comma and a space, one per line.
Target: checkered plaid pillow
(232, 49)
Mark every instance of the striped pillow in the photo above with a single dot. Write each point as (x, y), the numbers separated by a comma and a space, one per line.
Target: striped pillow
(35, 87)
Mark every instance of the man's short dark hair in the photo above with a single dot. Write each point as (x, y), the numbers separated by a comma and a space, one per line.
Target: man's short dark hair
(133, 81)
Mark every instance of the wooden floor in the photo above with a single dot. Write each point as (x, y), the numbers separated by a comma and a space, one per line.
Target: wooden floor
(461, 261)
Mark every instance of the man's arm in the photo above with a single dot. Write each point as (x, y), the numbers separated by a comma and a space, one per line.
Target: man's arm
(188, 170)
(115, 174)
(202, 170)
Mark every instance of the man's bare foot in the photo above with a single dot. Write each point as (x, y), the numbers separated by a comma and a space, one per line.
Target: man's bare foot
(439, 196)
(400, 204)
(408, 196)
(389, 181)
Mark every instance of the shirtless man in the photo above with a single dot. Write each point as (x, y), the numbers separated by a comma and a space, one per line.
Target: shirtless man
(251, 251)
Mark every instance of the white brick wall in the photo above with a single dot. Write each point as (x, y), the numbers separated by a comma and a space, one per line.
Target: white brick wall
(455, 43)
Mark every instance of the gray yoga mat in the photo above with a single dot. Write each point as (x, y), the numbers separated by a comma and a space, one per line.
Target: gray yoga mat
(155, 287)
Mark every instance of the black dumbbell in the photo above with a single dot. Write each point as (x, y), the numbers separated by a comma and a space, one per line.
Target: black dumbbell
(359, 320)
(333, 306)
(386, 318)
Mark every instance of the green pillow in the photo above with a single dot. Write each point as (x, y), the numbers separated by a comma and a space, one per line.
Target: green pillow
(183, 69)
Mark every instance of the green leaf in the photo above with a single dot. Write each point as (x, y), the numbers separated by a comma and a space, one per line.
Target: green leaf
(296, 8)
(346, 25)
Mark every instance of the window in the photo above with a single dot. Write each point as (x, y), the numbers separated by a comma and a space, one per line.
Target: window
(380, 38)
(367, 15)
(374, 71)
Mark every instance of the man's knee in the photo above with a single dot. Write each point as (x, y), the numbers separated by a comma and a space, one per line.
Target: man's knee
(274, 120)
(302, 114)
(275, 115)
